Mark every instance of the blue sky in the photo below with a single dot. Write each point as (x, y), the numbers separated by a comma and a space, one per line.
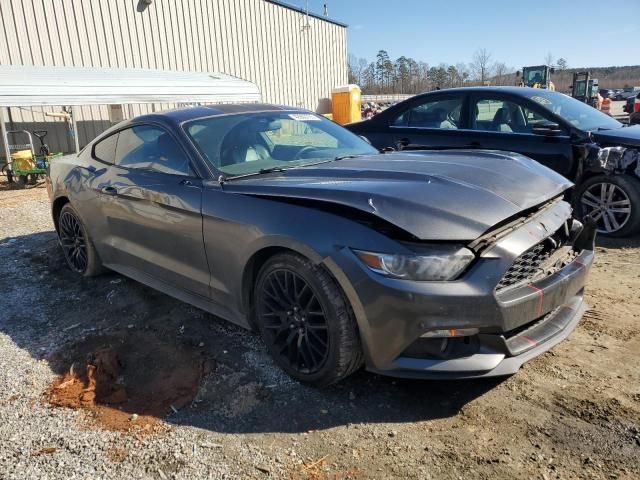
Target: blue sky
(515, 32)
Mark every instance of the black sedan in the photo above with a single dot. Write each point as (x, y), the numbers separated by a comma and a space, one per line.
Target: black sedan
(598, 153)
(457, 264)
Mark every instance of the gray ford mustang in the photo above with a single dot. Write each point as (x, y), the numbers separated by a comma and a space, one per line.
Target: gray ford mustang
(455, 264)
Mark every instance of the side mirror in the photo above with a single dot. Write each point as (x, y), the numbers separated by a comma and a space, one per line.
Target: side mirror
(548, 129)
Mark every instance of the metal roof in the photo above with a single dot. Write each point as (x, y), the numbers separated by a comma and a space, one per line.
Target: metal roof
(280, 3)
(33, 86)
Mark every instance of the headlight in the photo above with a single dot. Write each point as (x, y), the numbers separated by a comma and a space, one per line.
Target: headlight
(437, 263)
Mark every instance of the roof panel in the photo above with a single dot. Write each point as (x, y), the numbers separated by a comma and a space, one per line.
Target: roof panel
(29, 86)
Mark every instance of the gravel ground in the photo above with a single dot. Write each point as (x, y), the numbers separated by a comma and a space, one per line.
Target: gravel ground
(572, 413)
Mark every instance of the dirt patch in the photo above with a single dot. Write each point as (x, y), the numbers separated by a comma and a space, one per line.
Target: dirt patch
(128, 382)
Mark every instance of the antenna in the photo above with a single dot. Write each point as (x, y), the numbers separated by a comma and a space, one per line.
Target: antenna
(306, 25)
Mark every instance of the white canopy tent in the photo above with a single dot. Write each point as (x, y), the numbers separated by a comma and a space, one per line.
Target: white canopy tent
(29, 86)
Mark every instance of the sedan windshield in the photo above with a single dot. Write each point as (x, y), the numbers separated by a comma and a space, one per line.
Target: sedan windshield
(249, 143)
(579, 114)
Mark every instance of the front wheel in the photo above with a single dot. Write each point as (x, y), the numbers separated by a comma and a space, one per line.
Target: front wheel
(613, 201)
(305, 321)
(78, 249)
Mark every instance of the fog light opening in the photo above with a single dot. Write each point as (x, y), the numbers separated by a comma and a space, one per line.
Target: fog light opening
(450, 332)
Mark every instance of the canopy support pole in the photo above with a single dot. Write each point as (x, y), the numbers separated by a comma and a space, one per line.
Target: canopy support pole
(5, 141)
(74, 125)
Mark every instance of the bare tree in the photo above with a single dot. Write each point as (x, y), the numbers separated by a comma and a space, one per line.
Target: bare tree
(548, 60)
(500, 71)
(562, 64)
(480, 64)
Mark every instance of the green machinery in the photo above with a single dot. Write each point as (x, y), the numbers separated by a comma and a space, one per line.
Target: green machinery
(25, 164)
(585, 88)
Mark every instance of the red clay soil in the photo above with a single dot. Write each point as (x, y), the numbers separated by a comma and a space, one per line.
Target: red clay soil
(128, 383)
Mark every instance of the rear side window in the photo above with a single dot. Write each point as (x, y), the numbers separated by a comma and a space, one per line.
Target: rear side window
(105, 150)
(443, 113)
(151, 148)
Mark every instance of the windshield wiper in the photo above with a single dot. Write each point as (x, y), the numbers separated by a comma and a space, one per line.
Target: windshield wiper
(271, 170)
(342, 157)
(281, 169)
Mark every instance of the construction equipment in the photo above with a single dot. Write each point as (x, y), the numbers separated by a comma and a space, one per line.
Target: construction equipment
(538, 76)
(25, 164)
(585, 88)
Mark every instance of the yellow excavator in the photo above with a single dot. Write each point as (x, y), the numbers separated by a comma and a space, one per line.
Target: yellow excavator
(538, 76)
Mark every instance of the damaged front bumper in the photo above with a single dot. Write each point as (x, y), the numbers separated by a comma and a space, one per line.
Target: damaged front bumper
(510, 326)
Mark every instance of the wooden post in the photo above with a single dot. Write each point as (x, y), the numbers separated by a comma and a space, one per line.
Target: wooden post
(5, 141)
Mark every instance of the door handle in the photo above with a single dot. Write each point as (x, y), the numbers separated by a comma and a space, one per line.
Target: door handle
(109, 191)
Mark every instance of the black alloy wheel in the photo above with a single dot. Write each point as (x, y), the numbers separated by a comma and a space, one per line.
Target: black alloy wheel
(73, 241)
(305, 320)
(294, 321)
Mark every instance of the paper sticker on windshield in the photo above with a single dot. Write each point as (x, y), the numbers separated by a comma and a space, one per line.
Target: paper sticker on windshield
(304, 117)
(541, 100)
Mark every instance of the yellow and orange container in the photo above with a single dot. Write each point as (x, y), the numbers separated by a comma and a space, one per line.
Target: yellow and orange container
(345, 104)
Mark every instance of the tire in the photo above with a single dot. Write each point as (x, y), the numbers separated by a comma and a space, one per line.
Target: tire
(305, 321)
(78, 249)
(619, 214)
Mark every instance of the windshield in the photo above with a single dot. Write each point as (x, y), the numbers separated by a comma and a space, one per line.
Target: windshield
(249, 143)
(534, 75)
(579, 114)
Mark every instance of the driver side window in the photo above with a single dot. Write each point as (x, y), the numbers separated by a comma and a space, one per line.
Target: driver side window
(443, 113)
(147, 147)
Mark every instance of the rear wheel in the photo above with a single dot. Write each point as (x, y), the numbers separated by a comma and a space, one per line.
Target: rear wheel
(78, 249)
(613, 201)
(305, 321)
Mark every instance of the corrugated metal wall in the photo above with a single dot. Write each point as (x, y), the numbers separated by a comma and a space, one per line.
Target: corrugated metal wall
(294, 59)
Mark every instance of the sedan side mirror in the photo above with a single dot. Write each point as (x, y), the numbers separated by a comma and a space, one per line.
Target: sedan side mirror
(548, 129)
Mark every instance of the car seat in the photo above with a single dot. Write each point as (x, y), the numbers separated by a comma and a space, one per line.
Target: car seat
(242, 145)
(501, 120)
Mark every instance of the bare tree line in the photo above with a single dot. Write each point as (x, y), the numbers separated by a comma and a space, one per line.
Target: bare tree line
(407, 75)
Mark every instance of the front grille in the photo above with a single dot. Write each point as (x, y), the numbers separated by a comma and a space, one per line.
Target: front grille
(541, 260)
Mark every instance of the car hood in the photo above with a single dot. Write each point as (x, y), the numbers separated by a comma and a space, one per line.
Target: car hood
(624, 137)
(448, 195)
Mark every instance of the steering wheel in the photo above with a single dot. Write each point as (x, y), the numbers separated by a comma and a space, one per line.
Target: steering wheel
(303, 150)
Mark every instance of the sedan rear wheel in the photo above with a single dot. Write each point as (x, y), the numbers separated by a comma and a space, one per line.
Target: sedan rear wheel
(613, 202)
(305, 321)
(78, 249)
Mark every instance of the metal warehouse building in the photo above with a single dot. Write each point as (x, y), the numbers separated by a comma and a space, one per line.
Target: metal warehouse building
(295, 58)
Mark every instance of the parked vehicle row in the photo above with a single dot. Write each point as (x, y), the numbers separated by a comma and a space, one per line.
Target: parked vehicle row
(625, 93)
(595, 151)
(450, 264)
(632, 107)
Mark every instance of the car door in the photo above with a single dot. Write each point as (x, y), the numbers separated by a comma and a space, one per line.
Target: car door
(154, 214)
(432, 122)
(509, 123)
